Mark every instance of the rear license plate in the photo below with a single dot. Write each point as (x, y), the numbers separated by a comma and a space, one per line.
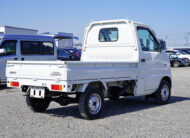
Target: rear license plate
(37, 92)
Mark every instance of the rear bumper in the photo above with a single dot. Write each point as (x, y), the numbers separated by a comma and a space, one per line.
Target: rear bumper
(66, 86)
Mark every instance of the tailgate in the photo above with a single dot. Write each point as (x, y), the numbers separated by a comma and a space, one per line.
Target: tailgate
(47, 70)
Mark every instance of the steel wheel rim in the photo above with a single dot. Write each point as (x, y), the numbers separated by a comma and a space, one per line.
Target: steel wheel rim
(94, 103)
(165, 92)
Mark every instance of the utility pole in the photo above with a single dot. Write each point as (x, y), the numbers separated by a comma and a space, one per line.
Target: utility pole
(187, 39)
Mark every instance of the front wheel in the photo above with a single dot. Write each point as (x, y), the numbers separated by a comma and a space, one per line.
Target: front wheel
(163, 93)
(91, 103)
(36, 104)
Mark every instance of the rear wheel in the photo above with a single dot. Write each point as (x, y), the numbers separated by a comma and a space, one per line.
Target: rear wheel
(163, 93)
(176, 64)
(91, 103)
(36, 104)
(187, 62)
(2, 86)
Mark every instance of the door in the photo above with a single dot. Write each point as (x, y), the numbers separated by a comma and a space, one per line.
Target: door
(11, 54)
(151, 59)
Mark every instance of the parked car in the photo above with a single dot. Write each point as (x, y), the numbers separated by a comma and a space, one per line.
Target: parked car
(187, 50)
(175, 61)
(25, 47)
(180, 54)
(112, 65)
(67, 54)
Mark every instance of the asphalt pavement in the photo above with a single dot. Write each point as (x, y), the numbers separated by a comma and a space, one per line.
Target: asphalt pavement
(127, 117)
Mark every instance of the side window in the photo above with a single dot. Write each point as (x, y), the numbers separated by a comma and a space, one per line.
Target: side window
(173, 56)
(47, 48)
(30, 48)
(108, 35)
(147, 40)
(37, 48)
(10, 46)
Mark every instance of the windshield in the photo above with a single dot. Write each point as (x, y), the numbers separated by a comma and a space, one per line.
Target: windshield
(70, 51)
(182, 52)
(63, 53)
(173, 55)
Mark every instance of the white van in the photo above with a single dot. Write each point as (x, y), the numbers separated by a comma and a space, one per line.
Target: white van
(25, 47)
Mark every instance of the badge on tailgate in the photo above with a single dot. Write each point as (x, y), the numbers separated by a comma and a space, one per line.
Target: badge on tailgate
(37, 92)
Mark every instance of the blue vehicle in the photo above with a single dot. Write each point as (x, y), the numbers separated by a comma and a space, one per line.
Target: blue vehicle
(69, 54)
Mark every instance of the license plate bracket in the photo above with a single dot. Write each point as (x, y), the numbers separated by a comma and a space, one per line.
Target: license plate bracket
(37, 92)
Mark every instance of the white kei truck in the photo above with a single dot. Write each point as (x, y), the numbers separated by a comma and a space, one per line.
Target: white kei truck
(119, 58)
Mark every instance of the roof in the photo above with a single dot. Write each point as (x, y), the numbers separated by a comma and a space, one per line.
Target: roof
(28, 37)
(62, 36)
(178, 48)
(114, 21)
(37, 37)
(19, 28)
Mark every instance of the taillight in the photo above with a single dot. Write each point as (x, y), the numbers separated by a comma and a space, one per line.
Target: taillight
(77, 54)
(56, 87)
(14, 84)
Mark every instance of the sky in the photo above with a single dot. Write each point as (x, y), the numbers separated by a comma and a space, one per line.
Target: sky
(170, 19)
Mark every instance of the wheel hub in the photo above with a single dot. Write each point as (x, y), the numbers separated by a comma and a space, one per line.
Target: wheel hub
(165, 92)
(94, 103)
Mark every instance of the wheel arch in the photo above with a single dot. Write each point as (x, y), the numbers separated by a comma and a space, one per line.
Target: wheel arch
(97, 84)
(167, 78)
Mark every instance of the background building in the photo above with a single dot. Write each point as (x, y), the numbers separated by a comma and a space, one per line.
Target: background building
(16, 30)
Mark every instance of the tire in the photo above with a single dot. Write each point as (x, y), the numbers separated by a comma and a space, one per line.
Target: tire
(188, 62)
(164, 92)
(91, 103)
(2, 86)
(176, 64)
(113, 93)
(37, 105)
(146, 98)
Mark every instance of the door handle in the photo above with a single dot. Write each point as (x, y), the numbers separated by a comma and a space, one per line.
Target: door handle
(22, 58)
(143, 60)
(15, 58)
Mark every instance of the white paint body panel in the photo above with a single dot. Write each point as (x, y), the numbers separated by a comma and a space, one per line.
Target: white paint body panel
(124, 49)
(67, 73)
(183, 56)
(101, 61)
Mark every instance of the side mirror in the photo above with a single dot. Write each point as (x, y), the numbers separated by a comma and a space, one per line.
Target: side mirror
(3, 51)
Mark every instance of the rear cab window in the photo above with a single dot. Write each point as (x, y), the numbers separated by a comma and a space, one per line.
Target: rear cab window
(108, 35)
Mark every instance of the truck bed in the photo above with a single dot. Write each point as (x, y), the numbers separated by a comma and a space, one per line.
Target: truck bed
(73, 72)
